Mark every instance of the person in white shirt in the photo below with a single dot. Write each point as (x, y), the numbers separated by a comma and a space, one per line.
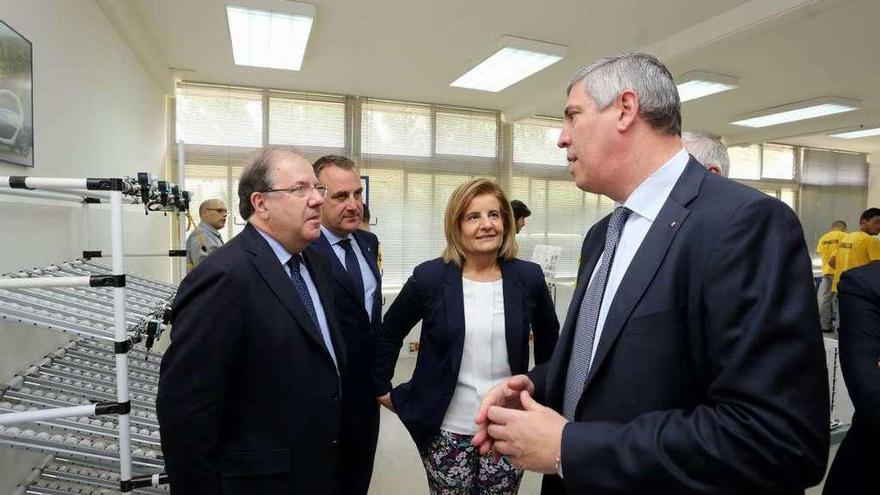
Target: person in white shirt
(477, 304)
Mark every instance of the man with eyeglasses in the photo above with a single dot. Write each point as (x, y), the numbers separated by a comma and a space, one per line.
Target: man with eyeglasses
(205, 238)
(357, 289)
(249, 390)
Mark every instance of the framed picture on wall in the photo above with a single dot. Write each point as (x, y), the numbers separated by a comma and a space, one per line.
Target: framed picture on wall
(16, 97)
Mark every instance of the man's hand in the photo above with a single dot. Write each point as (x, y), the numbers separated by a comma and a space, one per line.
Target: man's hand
(532, 437)
(505, 394)
(385, 400)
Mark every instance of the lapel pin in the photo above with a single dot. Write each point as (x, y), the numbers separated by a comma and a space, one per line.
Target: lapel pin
(672, 225)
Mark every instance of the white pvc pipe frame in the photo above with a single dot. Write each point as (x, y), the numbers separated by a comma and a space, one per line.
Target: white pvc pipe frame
(118, 268)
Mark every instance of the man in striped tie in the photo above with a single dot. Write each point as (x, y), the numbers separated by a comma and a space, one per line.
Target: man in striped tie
(690, 360)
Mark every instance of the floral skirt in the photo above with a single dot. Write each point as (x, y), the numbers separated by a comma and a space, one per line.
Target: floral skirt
(455, 467)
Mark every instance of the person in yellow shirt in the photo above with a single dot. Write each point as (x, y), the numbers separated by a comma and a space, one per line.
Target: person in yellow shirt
(826, 248)
(857, 248)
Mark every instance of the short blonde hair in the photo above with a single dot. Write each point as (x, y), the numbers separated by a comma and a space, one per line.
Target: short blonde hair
(456, 208)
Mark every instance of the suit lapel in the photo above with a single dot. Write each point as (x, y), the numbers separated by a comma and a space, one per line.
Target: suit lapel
(369, 252)
(648, 260)
(270, 269)
(453, 301)
(339, 273)
(322, 283)
(513, 317)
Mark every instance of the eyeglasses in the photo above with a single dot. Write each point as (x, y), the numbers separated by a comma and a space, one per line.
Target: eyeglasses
(301, 191)
(222, 211)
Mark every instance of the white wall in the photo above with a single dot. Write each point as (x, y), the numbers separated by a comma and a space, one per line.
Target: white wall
(97, 112)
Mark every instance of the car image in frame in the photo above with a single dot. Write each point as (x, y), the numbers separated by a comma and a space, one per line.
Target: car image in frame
(16, 98)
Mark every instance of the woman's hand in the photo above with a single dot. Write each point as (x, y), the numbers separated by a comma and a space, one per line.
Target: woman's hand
(385, 400)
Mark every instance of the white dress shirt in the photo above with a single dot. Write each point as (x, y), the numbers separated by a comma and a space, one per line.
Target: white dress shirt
(645, 203)
(283, 257)
(484, 356)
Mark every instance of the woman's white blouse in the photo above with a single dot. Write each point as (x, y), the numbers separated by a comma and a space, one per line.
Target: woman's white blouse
(484, 357)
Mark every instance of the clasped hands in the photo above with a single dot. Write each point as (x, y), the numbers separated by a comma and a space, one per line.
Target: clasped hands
(512, 423)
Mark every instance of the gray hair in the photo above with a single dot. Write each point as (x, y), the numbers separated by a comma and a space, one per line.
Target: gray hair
(257, 177)
(707, 149)
(605, 79)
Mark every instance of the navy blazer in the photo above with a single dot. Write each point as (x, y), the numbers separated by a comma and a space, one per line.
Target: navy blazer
(853, 471)
(249, 398)
(433, 294)
(360, 411)
(709, 375)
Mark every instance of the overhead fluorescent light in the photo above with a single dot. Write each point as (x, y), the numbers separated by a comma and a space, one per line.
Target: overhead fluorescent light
(274, 39)
(803, 110)
(858, 134)
(698, 83)
(513, 60)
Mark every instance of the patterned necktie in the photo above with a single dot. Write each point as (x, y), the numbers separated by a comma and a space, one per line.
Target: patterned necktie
(301, 288)
(353, 268)
(588, 316)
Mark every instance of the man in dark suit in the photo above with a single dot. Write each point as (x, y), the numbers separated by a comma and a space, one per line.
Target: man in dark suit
(357, 289)
(249, 390)
(690, 360)
(853, 472)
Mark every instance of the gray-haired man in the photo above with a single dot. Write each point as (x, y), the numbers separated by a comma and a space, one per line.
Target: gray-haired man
(691, 361)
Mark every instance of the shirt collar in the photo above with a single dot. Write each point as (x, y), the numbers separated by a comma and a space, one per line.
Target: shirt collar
(283, 254)
(332, 238)
(206, 226)
(649, 197)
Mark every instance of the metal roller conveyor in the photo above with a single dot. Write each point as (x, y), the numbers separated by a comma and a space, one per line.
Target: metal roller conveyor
(97, 314)
(145, 436)
(70, 476)
(106, 349)
(169, 289)
(67, 269)
(149, 365)
(143, 418)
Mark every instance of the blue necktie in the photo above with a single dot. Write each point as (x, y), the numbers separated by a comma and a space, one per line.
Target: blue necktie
(588, 316)
(353, 268)
(301, 288)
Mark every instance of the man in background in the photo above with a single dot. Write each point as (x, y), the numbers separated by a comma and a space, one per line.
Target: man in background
(520, 213)
(707, 149)
(826, 248)
(357, 290)
(205, 238)
(857, 248)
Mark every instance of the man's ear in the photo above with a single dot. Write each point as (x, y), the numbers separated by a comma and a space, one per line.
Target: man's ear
(628, 108)
(715, 169)
(258, 202)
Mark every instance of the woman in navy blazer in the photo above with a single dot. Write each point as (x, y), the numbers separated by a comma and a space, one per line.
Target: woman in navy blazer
(477, 304)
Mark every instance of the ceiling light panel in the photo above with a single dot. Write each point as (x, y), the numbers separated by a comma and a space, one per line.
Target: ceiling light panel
(512, 61)
(809, 109)
(861, 133)
(271, 39)
(697, 84)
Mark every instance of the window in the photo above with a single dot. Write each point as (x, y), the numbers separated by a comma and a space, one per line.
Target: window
(534, 141)
(777, 162)
(466, 134)
(297, 122)
(223, 117)
(395, 129)
(745, 162)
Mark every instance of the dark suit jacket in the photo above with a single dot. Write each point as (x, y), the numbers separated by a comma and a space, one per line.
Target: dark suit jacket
(360, 411)
(433, 294)
(248, 396)
(853, 472)
(710, 371)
